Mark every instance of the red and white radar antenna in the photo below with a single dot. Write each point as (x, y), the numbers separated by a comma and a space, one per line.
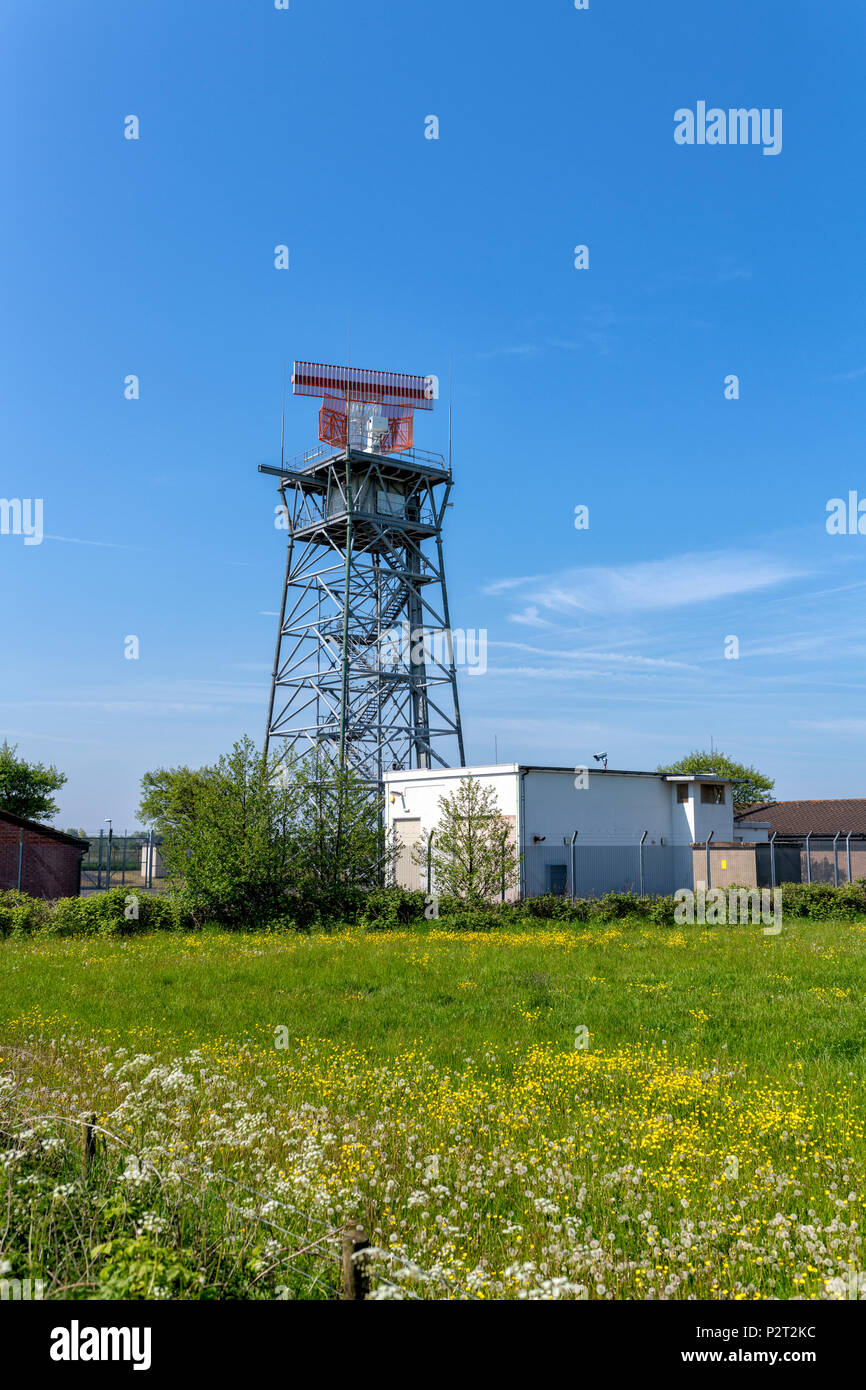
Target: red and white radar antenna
(367, 410)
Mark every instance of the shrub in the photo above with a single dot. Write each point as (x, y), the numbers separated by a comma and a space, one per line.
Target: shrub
(661, 911)
(474, 919)
(112, 914)
(323, 907)
(161, 913)
(69, 917)
(387, 909)
(20, 915)
(822, 900)
(551, 906)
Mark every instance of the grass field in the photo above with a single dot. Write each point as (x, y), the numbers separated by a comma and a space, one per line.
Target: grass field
(704, 1138)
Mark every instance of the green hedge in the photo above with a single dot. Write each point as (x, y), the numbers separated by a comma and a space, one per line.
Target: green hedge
(120, 912)
(819, 900)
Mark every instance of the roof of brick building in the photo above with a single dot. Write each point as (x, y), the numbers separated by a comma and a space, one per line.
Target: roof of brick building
(48, 830)
(799, 817)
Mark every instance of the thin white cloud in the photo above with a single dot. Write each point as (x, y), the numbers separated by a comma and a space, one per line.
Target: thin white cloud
(181, 697)
(530, 618)
(610, 658)
(849, 376)
(517, 350)
(595, 672)
(500, 586)
(677, 582)
(108, 545)
(831, 726)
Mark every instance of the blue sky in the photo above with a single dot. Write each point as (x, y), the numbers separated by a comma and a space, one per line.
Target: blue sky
(602, 387)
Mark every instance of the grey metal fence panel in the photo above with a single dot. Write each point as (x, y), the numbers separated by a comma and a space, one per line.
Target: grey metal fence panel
(667, 868)
(797, 860)
(544, 865)
(822, 853)
(607, 869)
(598, 869)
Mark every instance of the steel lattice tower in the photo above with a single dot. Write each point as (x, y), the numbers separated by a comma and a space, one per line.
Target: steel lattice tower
(364, 659)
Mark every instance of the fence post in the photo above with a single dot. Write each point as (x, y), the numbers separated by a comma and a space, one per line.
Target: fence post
(99, 865)
(430, 863)
(356, 1281)
(640, 852)
(709, 871)
(808, 858)
(88, 1141)
(836, 859)
(505, 835)
(574, 834)
(773, 858)
(108, 861)
(20, 857)
(848, 853)
(123, 865)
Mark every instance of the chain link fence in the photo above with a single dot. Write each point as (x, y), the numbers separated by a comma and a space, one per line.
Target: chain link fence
(129, 860)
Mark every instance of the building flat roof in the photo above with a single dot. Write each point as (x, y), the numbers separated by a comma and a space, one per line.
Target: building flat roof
(490, 768)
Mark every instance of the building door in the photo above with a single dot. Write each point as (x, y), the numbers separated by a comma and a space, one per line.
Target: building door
(407, 871)
(557, 879)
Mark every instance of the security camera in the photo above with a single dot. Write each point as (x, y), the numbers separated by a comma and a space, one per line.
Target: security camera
(601, 758)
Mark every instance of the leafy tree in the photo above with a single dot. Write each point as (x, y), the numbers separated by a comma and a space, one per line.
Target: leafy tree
(473, 844)
(250, 840)
(168, 797)
(25, 788)
(339, 834)
(754, 787)
(226, 836)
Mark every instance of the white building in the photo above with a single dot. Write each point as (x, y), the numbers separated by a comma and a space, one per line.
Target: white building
(641, 825)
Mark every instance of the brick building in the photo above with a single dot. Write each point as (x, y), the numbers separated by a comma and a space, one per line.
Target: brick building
(816, 841)
(37, 858)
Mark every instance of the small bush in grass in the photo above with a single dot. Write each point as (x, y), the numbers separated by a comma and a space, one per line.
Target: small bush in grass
(158, 913)
(117, 912)
(69, 917)
(324, 908)
(554, 906)
(120, 912)
(20, 915)
(388, 909)
(474, 919)
(661, 911)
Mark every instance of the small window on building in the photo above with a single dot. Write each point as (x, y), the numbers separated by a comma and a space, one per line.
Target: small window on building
(682, 791)
(712, 794)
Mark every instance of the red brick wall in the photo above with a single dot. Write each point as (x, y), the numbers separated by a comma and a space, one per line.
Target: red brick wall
(50, 868)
